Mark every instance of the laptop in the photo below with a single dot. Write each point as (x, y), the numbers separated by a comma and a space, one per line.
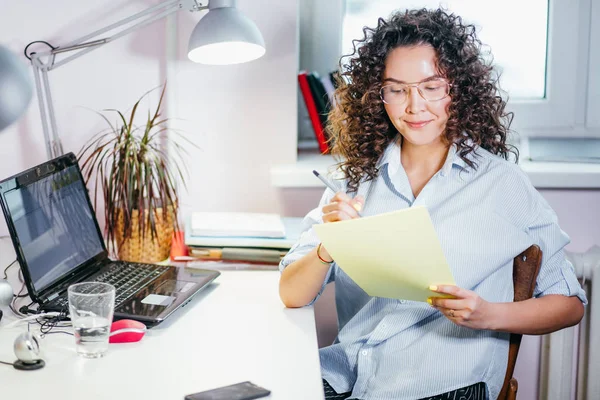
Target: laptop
(58, 242)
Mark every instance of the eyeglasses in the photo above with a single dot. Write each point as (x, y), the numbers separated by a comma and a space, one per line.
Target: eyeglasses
(431, 90)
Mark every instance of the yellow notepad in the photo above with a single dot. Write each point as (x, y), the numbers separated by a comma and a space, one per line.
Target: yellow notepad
(394, 255)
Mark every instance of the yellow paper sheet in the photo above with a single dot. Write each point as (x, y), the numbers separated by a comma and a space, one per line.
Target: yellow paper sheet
(394, 255)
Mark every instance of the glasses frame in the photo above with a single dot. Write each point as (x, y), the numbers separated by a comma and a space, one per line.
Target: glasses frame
(416, 85)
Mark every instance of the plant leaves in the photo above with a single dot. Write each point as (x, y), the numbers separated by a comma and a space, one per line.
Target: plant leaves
(135, 168)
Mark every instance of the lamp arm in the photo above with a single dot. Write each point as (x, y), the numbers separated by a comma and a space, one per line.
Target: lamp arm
(84, 46)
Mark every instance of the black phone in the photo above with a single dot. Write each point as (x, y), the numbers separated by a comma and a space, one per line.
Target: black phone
(239, 391)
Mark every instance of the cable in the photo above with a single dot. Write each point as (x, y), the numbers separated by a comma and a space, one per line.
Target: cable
(20, 277)
(13, 304)
(6, 269)
(51, 333)
(55, 320)
(46, 325)
(33, 317)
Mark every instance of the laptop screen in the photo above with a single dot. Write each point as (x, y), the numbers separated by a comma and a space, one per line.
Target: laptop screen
(55, 225)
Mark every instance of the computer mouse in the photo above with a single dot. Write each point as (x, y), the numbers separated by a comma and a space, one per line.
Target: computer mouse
(126, 331)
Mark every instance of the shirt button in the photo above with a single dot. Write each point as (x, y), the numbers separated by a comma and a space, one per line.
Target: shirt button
(383, 325)
(402, 301)
(364, 352)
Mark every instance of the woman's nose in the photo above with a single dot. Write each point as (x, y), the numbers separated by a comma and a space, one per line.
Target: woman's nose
(415, 102)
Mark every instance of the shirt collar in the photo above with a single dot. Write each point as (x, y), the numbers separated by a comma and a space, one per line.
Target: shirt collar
(391, 157)
(453, 158)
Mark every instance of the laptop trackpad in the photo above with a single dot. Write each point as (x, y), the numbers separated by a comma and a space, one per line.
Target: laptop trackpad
(167, 292)
(158, 300)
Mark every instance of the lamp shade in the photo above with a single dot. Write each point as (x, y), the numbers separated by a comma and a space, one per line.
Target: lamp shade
(15, 88)
(225, 36)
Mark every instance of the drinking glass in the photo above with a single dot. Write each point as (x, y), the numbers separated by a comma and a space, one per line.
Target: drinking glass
(91, 305)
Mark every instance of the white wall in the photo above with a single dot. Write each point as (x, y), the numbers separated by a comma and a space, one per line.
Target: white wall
(242, 117)
(112, 76)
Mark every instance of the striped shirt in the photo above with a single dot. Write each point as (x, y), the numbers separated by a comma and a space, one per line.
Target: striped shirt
(484, 217)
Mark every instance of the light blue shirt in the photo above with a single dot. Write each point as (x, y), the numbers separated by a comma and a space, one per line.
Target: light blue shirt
(399, 349)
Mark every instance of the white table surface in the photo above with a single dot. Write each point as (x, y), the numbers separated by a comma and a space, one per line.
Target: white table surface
(235, 330)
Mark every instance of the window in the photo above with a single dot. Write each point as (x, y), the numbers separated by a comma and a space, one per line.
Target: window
(545, 49)
(522, 63)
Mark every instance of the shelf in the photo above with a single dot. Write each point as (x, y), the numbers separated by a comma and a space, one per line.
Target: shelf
(543, 175)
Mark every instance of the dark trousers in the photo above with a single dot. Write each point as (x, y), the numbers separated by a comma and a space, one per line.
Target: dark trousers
(477, 391)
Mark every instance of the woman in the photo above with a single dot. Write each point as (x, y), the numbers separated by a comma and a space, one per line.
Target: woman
(419, 122)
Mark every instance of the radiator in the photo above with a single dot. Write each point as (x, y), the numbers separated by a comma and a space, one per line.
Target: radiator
(570, 358)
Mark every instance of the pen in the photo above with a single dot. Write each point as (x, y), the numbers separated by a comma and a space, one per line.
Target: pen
(331, 186)
(327, 183)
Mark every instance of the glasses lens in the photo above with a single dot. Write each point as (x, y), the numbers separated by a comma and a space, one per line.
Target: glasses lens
(434, 90)
(394, 94)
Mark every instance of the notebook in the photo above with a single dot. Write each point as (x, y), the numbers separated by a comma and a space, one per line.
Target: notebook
(237, 224)
(292, 226)
(58, 242)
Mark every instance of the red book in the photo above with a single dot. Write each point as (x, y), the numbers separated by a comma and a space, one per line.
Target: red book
(312, 112)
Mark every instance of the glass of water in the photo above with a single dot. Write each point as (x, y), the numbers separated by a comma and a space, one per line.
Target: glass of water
(91, 305)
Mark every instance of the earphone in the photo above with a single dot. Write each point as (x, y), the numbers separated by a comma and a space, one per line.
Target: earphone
(27, 349)
(6, 293)
(28, 352)
(27, 345)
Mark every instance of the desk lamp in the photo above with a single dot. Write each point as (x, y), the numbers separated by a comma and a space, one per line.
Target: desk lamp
(223, 36)
(15, 93)
(15, 88)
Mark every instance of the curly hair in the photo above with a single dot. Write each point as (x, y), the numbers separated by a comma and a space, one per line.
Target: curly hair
(359, 126)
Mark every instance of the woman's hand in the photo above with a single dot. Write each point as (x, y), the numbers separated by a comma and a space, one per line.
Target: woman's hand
(466, 309)
(342, 207)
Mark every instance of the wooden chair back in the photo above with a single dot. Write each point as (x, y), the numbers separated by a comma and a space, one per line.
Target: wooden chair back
(526, 267)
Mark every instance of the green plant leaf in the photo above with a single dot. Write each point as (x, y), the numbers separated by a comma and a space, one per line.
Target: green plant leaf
(134, 171)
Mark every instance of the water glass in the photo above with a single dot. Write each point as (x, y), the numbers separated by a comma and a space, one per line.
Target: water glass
(91, 305)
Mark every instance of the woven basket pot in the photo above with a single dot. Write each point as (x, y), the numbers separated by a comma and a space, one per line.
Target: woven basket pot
(141, 247)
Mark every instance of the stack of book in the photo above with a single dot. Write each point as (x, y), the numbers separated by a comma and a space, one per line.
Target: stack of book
(240, 237)
(318, 96)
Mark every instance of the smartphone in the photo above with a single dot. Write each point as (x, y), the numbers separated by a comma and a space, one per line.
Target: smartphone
(239, 391)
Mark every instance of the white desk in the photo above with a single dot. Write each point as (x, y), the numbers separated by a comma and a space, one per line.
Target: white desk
(233, 331)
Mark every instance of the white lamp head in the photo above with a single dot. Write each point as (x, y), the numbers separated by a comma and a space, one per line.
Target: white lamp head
(15, 88)
(225, 36)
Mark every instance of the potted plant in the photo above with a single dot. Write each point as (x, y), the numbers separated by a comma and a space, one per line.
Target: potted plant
(132, 168)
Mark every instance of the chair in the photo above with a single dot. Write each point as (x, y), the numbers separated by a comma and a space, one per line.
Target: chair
(525, 271)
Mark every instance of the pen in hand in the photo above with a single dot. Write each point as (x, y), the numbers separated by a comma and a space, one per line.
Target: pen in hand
(331, 186)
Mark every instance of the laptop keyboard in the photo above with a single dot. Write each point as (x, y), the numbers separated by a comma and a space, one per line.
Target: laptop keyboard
(127, 278)
(130, 278)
